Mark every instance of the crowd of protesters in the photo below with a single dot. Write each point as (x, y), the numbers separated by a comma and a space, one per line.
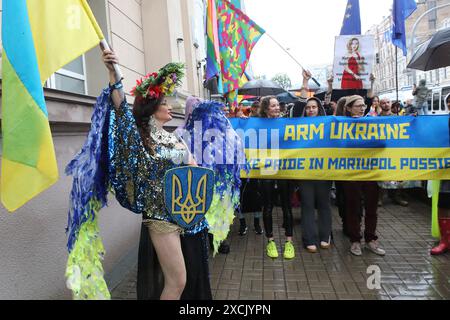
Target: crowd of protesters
(354, 199)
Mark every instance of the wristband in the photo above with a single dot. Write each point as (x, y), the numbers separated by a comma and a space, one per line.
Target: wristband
(117, 85)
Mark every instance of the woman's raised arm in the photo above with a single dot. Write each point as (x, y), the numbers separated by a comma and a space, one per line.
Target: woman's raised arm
(117, 94)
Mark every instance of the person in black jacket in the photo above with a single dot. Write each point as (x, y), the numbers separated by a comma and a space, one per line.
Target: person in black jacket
(251, 203)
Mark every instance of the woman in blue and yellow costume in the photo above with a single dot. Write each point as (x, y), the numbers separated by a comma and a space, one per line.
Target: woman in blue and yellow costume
(201, 117)
(128, 151)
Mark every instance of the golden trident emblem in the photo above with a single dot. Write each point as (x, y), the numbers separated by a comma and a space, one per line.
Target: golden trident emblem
(188, 208)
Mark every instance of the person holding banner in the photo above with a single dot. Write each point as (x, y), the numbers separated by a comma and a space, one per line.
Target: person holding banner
(313, 192)
(251, 198)
(355, 192)
(141, 152)
(270, 108)
(351, 78)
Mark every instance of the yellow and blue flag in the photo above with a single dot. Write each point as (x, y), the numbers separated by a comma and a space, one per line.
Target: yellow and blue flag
(39, 37)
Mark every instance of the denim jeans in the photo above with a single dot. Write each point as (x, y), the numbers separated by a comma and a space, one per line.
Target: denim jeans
(422, 108)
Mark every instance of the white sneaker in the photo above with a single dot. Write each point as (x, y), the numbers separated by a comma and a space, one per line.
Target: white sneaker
(355, 249)
(373, 246)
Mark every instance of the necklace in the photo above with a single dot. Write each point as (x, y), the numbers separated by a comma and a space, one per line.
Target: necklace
(159, 135)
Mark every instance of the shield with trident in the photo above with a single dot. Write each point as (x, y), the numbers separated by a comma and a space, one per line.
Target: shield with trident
(188, 193)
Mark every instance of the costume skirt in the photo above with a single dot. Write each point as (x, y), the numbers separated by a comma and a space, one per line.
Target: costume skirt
(150, 279)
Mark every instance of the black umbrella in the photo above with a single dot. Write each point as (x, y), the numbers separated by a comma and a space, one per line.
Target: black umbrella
(287, 97)
(260, 88)
(434, 53)
(337, 94)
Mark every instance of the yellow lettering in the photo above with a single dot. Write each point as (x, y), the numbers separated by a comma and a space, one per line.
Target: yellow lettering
(392, 131)
(382, 134)
(348, 128)
(361, 129)
(403, 131)
(316, 131)
(372, 132)
(334, 134)
(302, 132)
(289, 133)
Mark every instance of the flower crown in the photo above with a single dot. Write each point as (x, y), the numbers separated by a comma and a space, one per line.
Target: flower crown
(155, 85)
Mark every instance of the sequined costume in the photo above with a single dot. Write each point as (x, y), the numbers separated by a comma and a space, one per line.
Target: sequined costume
(113, 158)
(219, 216)
(137, 177)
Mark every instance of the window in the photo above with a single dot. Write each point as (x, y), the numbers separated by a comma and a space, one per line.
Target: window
(444, 94)
(70, 78)
(432, 24)
(446, 23)
(432, 16)
(436, 101)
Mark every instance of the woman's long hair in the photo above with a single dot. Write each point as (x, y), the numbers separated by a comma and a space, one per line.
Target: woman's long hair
(340, 108)
(349, 45)
(264, 106)
(142, 111)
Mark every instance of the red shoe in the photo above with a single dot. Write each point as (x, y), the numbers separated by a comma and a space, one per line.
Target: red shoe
(444, 244)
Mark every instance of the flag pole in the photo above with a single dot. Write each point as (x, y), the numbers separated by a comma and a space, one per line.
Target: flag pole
(396, 72)
(118, 74)
(292, 57)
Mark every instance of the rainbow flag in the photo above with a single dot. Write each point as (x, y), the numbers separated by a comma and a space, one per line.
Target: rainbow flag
(238, 35)
(236, 3)
(212, 44)
(39, 37)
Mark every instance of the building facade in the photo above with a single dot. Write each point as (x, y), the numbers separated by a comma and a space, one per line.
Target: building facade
(146, 34)
(386, 63)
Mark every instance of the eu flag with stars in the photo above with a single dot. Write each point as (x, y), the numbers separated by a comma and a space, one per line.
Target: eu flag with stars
(401, 10)
(352, 19)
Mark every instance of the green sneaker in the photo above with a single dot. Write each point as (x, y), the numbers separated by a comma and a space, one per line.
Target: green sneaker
(271, 249)
(289, 251)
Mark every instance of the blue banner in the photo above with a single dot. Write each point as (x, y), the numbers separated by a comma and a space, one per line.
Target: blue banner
(342, 148)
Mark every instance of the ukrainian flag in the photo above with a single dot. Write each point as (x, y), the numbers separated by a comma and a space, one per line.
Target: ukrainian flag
(39, 37)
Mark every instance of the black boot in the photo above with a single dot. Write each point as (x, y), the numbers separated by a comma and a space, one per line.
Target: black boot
(224, 247)
(243, 228)
(257, 226)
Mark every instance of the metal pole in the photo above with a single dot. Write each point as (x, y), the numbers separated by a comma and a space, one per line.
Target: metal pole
(412, 43)
(104, 46)
(396, 72)
(292, 57)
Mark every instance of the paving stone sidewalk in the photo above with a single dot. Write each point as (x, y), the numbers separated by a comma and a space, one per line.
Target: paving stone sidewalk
(407, 271)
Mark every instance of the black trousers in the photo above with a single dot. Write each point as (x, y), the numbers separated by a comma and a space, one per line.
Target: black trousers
(273, 190)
